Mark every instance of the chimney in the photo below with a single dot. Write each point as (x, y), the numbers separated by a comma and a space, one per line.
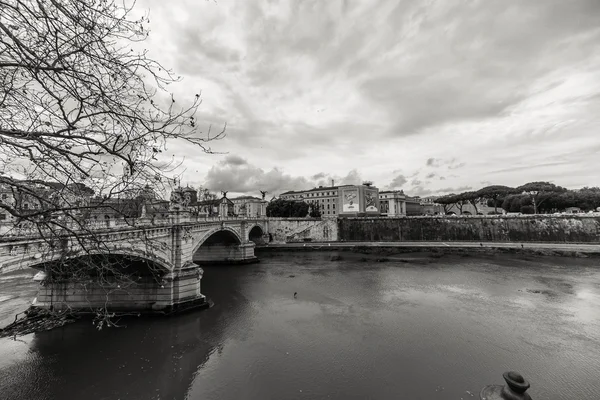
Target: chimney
(332, 182)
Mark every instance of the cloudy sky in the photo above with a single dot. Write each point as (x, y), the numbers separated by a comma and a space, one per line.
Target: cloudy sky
(426, 96)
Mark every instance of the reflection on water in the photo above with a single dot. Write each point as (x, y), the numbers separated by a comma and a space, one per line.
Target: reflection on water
(430, 329)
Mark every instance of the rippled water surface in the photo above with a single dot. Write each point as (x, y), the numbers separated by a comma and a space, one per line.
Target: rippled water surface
(413, 327)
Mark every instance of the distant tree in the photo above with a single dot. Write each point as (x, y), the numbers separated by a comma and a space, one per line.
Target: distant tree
(287, 208)
(495, 193)
(460, 200)
(315, 210)
(588, 198)
(539, 191)
(527, 210)
(447, 201)
(472, 198)
(512, 203)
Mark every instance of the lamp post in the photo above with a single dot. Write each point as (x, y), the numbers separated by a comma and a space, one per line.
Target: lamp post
(534, 193)
(515, 388)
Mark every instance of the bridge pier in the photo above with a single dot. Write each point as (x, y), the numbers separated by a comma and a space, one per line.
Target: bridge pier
(174, 291)
(226, 254)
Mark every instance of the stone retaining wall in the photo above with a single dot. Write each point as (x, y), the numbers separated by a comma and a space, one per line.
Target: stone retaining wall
(285, 230)
(538, 228)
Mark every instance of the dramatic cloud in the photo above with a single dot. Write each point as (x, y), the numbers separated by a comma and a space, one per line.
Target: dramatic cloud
(500, 91)
(456, 166)
(234, 160)
(398, 182)
(433, 162)
(423, 191)
(246, 178)
(251, 179)
(353, 178)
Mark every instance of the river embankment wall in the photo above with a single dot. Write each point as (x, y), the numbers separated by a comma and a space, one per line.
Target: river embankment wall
(532, 228)
(535, 228)
(285, 230)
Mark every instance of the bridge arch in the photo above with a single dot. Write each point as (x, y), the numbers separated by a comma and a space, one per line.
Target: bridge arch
(218, 236)
(256, 234)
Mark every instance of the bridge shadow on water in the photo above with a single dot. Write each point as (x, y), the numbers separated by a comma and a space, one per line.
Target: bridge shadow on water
(151, 358)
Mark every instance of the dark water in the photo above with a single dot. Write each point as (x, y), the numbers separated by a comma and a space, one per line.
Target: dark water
(405, 329)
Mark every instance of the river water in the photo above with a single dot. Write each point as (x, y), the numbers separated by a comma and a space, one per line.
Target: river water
(414, 327)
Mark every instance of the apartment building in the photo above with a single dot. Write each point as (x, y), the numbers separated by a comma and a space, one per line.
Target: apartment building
(325, 197)
(249, 206)
(344, 200)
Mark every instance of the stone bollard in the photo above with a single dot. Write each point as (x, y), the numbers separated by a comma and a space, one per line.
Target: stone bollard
(515, 388)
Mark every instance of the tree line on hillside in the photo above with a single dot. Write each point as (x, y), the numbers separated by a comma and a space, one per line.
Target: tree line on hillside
(531, 198)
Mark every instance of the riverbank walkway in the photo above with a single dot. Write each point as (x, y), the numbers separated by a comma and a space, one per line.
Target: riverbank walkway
(584, 248)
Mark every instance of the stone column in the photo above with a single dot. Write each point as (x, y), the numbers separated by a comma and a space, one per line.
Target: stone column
(244, 232)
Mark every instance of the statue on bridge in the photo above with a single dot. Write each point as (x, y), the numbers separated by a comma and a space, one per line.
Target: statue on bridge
(183, 198)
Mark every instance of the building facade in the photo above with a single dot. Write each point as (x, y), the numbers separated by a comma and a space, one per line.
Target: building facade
(345, 200)
(323, 197)
(249, 206)
(32, 197)
(222, 207)
(413, 206)
(430, 207)
(392, 203)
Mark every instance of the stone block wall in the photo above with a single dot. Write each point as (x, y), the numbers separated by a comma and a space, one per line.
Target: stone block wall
(145, 296)
(225, 253)
(298, 229)
(538, 228)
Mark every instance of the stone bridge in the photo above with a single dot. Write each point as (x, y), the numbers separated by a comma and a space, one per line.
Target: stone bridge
(170, 254)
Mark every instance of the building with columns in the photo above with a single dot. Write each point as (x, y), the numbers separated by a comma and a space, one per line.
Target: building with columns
(392, 203)
(249, 206)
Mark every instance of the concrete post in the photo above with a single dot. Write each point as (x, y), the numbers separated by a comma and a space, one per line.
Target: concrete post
(515, 388)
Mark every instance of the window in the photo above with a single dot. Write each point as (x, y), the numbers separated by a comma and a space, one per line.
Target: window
(26, 206)
(2, 216)
(4, 196)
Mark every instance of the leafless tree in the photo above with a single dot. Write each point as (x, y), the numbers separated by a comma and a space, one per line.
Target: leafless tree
(83, 110)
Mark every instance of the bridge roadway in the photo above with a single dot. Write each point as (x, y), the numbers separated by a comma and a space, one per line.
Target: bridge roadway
(170, 251)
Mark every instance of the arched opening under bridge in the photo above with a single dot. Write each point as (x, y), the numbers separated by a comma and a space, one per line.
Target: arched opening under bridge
(224, 246)
(256, 235)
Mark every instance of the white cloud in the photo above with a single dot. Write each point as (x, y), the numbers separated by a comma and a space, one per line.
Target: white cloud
(502, 91)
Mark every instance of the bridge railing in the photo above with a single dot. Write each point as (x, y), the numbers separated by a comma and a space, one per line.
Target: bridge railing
(31, 230)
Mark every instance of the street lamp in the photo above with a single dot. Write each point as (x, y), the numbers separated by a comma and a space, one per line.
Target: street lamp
(534, 193)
